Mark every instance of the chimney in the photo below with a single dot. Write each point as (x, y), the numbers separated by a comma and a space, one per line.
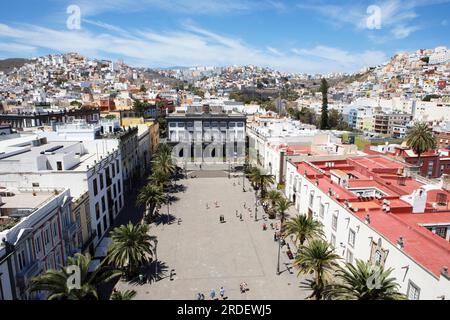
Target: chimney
(445, 181)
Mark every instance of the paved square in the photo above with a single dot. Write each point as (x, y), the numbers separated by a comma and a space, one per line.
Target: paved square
(207, 254)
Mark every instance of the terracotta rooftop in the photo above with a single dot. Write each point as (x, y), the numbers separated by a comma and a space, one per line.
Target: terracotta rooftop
(428, 249)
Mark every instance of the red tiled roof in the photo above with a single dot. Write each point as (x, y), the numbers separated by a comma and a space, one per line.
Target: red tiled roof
(428, 249)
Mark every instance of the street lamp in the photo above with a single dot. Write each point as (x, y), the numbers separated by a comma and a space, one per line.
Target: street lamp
(168, 207)
(229, 169)
(156, 258)
(256, 205)
(279, 251)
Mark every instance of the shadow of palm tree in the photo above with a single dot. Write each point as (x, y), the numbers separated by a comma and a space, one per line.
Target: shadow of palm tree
(164, 219)
(152, 272)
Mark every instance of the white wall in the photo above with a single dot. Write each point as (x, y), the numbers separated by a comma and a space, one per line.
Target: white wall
(430, 286)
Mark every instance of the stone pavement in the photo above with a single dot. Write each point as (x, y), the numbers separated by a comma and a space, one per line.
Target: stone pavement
(206, 254)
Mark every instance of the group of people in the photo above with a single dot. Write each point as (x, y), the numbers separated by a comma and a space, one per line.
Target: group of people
(212, 294)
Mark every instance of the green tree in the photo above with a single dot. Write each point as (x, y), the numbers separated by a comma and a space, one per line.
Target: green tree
(324, 117)
(317, 258)
(364, 281)
(140, 107)
(282, 206)
(150, 197)
(303, 228)
(420, 139)
(143, 88)
(125, 295)
(272, 197)
(131, 247)
(163, 162)
(55, 282)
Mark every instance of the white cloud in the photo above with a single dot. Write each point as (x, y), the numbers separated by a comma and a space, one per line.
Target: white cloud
(401, 32)
(398, 17)
(274, 51)
(345, 60)
(190, 45)
(193, 7)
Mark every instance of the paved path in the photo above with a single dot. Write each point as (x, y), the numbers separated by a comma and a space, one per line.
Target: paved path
(207, 254)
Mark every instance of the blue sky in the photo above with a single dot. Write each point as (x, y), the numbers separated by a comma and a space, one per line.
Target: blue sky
(308, 36)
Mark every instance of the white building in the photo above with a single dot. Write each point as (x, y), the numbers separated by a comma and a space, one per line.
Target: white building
(89, 166)
(372, 210)
(35, 224)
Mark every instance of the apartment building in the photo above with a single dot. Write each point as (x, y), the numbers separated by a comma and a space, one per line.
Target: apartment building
(391, 124)
(35, 225)
(207, 136)
(90, 166)
(371, 209)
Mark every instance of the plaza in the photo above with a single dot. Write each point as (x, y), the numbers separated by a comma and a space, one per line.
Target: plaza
(206, 254)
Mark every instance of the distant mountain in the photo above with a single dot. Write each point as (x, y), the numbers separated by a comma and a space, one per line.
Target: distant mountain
(8, 65)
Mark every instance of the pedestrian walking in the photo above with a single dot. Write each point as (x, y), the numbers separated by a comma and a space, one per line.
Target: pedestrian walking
(240, 216)
(212, 294)
(199, 296)
(222, 292)
(237, 214)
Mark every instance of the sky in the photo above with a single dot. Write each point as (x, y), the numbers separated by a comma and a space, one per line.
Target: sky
(309, 36)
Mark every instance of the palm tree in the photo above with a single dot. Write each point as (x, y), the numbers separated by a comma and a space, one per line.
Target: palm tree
(420, 139)
(57, 282)
(150, 196)
(123, 295)
(282, 206)
(158, 178)
(164, 148)
(272, 197)
(254, 175)
(357, 283)
(132, 246)
(316, 258)
(265, 181)
(163, 162)
(303, 228)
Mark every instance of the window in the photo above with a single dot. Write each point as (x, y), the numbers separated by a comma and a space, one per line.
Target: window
(413, 292)
(105, 222)
(97, 211)
(442, 232)
(102, 182)
(119, 187)
(113, 170)
(46, 237)
(115, 191)
(21, 259)
(117, 166)
(94, 183)
(99, 229)
(55, 230)
(103, 204)
(38, 244)
(35, 185)
(349, 256)
(333, 240)
(59, 165)
(322, 210)
(351, 238)
(334, 221)
(430, 168)
(311, 199)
